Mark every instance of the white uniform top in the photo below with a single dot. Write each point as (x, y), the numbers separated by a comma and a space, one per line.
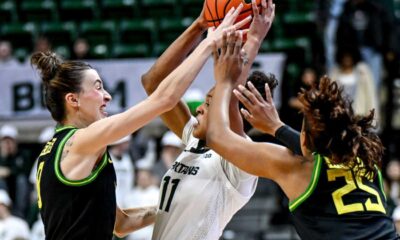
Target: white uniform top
(13, 228)
(200, 193)
(125, 174)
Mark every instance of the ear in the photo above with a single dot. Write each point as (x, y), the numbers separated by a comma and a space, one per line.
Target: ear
(72, 99)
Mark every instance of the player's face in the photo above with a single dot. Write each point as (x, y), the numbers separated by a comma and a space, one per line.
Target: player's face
(93, 98)
(200, 129)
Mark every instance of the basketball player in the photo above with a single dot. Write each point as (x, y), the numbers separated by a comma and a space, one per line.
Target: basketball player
(202, 191)
(76, 178)
(335, 189)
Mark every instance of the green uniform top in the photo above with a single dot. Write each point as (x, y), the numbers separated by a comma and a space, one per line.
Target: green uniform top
(340, 204)
(83, 209)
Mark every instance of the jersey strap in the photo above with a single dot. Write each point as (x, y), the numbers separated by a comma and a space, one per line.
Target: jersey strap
(312, 185)
(57, 167)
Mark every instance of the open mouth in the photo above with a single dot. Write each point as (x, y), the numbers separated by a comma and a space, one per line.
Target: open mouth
(103, 110)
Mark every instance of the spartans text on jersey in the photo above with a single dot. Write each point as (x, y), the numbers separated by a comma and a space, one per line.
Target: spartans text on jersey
(184, 169)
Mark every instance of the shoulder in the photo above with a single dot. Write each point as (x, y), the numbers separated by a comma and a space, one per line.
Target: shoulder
(363, 67)
(17, 223)
(231, 170)
(364, 70)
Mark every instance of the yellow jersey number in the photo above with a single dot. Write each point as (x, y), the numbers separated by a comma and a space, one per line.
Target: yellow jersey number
(38, 178)
(349, 187)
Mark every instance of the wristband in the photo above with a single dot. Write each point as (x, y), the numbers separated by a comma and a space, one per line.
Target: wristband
(290, 138)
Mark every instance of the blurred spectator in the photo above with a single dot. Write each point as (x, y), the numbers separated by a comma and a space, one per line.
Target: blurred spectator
(6, 57)
(308, 78)
(37, 231)
(171, 147)
(390, 202)
(366, 25)
(80, 49)
(396, 218)
(328, 15)
(123, 165)
(42, 44)
(14, 169)
(144, 194)
(393, 174)
(357, 80)
(11, 227)
(45, 136)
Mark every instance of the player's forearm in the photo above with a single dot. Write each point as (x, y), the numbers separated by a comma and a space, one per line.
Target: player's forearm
(290, 138)
(179, 80)
(219, 110)
(236, 121)
(129, 220)
(172, 57)
(251, 48)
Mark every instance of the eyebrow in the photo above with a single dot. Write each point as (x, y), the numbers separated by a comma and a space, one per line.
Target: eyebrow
(98, 81)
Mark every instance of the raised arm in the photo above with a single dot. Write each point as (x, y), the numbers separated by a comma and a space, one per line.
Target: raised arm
(262, 115)
(177, 118)
(261, 159)
(166, 63)
(164, 98)
(87, 144)
(259, 28)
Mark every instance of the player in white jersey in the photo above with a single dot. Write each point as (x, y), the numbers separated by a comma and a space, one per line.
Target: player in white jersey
(201, 192)
(200, 188)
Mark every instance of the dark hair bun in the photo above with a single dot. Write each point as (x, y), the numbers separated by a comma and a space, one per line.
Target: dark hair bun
(48, 64)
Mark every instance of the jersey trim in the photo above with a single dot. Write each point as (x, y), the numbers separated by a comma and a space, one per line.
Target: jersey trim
(381, 183)
(59, 173)
(311, 187)
(60, 128)
(200, 148)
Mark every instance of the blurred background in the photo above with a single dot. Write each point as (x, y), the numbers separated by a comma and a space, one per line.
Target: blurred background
(356, 42)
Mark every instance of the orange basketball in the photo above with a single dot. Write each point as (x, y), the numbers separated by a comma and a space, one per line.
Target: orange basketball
(216, 9)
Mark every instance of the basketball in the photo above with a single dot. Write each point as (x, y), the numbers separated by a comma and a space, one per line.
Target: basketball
(216, 9)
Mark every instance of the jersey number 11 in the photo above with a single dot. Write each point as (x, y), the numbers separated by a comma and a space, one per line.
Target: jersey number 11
(174, 183)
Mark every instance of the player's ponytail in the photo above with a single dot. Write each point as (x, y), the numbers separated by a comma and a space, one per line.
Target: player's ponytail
(59, 78)
(47, 63)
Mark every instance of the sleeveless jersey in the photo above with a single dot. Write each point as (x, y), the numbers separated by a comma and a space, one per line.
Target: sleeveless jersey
(83, 209)
(340, 204)
(200, 193)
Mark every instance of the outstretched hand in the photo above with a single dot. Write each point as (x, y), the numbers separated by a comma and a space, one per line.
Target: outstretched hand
(201, 19)
(261, 113)
(228, 24)
(228, 63)
(262, 20)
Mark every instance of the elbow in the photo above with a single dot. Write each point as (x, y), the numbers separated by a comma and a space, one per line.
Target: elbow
(146, 83)
(168, 100)
(215, 140)
(119, 232)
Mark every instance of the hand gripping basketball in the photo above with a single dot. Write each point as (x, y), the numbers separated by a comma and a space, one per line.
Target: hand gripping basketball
(217, 10)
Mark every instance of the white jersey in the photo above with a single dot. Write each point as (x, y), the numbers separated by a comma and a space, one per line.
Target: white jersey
(200, 193)
(125, 174)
